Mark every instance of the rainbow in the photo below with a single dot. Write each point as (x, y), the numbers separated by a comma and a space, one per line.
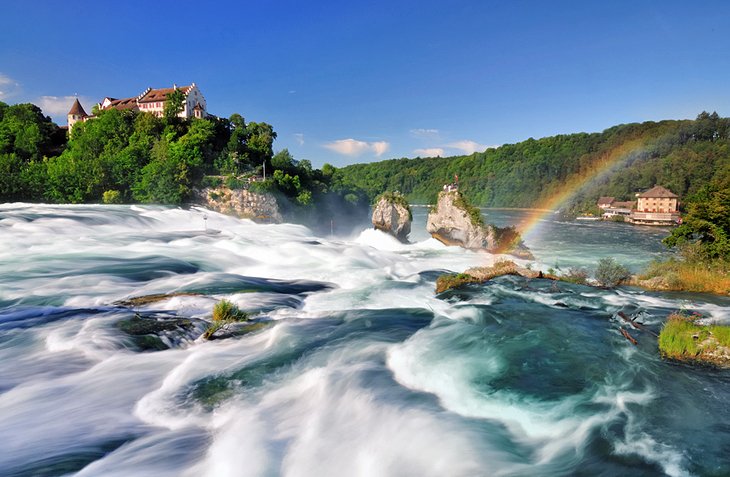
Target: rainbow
(609, 161)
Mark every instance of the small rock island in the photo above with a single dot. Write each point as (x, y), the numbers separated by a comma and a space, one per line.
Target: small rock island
(453, 221)
(392, 215)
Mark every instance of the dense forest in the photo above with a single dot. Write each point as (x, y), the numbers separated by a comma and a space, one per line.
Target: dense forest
(683, 156)
(130, 156)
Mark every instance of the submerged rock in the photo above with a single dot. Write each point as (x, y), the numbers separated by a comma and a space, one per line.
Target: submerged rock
(149, 299)
(392, 215)
(230, 330)
(257, 206)
(152, 333)
(453, 221)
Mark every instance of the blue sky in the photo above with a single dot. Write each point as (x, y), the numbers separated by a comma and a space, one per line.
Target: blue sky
(345, 82)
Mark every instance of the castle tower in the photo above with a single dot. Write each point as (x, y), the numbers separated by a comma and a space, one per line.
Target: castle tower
(76, 114)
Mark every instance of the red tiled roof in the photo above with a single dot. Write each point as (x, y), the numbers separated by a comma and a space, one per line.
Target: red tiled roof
(126, 103)
(658, 192)
(605, 200)
(77, 109)
(161, 94)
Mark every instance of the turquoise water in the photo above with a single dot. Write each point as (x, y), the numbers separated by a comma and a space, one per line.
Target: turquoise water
(362, 370)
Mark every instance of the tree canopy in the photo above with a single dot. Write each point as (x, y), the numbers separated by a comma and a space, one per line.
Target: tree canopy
(706, 224)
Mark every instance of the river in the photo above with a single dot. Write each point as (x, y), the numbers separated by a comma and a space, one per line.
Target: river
(363, 371)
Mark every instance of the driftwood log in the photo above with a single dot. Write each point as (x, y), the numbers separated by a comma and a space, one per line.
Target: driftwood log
(628, 336)
(636, 325)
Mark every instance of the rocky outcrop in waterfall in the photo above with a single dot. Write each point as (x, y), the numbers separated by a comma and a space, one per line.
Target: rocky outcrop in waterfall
(392, 214)
(453, 221)
(257, 206)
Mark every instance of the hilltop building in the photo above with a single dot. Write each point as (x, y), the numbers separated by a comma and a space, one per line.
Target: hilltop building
(151, 100)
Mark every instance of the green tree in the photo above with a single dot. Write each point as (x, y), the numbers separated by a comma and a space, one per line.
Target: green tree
(10, 183)
(165, 180)
(260, 142)
(610, 273)
(26, 132)
(174, 104)
(706, 224)
(284, 161)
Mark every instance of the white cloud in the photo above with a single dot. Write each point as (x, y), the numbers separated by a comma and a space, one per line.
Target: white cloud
(425, 133)
(468, 147)
(429, 152)
(60, 105)
(299, 138)
(8, 87)
(379, 148)
(353, 147)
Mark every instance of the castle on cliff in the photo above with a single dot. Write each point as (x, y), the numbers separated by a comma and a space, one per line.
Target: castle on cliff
(151, 100)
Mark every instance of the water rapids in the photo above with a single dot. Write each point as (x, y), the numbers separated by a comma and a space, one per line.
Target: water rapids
(360, 370)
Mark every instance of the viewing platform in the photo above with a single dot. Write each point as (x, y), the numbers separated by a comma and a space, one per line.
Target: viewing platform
(654, 218)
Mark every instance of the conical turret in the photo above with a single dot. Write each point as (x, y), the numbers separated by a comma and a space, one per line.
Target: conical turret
(76, 114)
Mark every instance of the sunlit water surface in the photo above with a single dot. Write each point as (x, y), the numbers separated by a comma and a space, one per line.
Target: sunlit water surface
(363, 371)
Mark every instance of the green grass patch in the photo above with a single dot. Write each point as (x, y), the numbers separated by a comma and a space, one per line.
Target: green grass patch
(679, 338)
(683, 339)
(225, 313)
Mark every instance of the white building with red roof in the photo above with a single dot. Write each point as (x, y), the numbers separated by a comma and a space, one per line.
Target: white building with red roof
(151, 100)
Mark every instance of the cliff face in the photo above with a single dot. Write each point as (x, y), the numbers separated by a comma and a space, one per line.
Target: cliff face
(392, 217)
(452, 223)
(260, 207)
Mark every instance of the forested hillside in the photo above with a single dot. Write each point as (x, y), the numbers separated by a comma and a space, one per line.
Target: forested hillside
(681, 155)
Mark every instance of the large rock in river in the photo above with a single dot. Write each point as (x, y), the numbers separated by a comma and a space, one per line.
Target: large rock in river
(257, 206)
(392, 214)
(453, 221)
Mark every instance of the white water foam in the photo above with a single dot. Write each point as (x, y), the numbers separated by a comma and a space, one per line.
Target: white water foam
(351, 405)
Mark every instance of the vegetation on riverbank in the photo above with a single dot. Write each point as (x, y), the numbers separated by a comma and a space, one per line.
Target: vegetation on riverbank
(683, 339)
(685, 275)
(703, 242)
(609, 273)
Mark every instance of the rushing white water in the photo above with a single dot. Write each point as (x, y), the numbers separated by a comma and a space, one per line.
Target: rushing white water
(362, 370)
